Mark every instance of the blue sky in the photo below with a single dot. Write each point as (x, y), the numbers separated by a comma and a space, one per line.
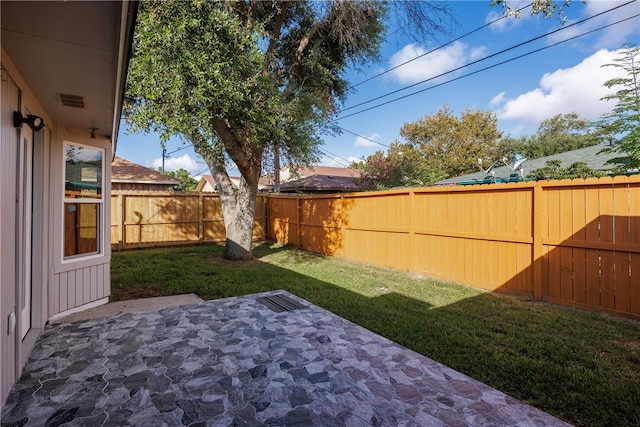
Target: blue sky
(522, 92)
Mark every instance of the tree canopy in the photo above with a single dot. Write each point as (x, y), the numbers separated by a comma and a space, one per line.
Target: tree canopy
(242, 79)
(187, 182)
(557, 134)
(624, 119)
(554, 170)
(450, 145)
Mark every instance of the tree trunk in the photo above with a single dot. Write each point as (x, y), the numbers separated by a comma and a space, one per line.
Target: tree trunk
(238, 206)
(239, 219)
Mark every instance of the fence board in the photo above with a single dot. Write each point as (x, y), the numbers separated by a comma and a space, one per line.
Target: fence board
(153, 218)
(583, 238)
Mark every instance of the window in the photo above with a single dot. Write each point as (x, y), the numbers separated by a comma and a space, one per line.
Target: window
(83, 200)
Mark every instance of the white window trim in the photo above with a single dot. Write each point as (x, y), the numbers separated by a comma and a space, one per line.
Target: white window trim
(100, 201)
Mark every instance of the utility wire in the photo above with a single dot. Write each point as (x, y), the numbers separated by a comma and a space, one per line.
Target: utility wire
(437, 48)
(484, 69)
(175, 151)
(335, 157)
(486, 57)
(360, 136)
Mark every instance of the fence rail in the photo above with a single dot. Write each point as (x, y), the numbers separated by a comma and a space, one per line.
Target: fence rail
(572, 242)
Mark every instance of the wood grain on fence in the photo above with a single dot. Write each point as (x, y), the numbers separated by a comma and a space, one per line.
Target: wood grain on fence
(151, 218)
(573, 242)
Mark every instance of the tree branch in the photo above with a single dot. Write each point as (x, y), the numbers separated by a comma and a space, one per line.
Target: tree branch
(275, 35)
(297, 60)
(253, 4)
(245, 154)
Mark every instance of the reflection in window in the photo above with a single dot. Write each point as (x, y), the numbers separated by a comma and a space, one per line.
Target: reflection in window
(81, 222)
(83, 204)
(83, 172)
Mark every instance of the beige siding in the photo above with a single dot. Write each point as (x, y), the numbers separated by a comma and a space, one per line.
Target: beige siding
(75, 288)
(8, 173)
(84, 280)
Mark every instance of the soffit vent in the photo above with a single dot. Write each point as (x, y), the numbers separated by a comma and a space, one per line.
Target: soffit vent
(74, 101)
(280, 303)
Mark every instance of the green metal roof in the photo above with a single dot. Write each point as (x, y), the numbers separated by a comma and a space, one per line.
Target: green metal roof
(592, 156)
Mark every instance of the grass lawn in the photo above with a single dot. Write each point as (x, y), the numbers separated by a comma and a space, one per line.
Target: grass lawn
(579, 366)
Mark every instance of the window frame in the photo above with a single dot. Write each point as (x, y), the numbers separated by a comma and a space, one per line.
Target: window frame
(98, 201)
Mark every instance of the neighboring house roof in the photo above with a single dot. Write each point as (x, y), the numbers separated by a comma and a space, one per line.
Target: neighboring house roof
(321, 184)
(287, 173)
(328, 170)
(592, 156)
(125, 171)
(208, 185)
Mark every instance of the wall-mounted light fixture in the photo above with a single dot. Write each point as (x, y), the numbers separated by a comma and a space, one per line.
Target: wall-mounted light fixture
(35, 122)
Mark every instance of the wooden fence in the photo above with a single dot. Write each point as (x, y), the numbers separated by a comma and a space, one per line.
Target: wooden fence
(572, 242)
(151, 218)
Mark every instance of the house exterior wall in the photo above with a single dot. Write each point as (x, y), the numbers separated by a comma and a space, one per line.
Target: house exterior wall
(31, 228)
(80, 282)
(8, 172)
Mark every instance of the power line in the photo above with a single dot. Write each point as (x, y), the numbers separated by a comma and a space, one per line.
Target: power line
(363, 137)
(179, 149)
(335, 157)
(437, 48)
(485, 58)
(484, 69)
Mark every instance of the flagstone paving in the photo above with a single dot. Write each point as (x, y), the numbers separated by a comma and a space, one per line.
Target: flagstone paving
(236, 362)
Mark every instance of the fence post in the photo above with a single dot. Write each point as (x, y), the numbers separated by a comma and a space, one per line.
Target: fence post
(200, 218)
(412, 232)
(539, 211)
(343, 251)
(299, 221)
(265, 211)
(121, 213)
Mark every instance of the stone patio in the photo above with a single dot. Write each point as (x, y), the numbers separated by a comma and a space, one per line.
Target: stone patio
(236, 362)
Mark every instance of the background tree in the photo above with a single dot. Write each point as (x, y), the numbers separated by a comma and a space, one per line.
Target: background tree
(245, 78)
(187, 182)
(558, 134)
(555, 170)
(401, 166)
(452, 145)
(624, 119)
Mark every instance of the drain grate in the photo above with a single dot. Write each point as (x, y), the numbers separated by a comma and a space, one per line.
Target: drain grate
(280, 303)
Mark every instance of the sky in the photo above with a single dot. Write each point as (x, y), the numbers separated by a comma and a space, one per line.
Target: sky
(546, 69)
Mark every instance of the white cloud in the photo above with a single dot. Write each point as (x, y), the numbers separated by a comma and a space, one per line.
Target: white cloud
(430, 65)
(611, 37)
(367, 142)
(498, 99)
(183, 162)
(579, 88)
